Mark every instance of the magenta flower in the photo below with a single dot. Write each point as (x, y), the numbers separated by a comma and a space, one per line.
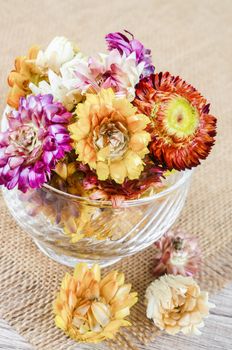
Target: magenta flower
(36, 139)
(125, 45)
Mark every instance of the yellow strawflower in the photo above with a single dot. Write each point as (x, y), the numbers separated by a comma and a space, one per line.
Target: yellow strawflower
(110, 136)
(89, 308)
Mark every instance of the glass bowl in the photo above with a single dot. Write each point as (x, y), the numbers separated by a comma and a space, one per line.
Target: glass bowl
(70, 229)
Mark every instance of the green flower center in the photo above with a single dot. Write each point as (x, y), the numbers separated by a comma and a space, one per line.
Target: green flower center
(182, 118)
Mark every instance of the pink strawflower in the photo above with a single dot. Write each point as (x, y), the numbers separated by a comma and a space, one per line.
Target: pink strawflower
(127, 45)
(177, 254)
(36, 139)
(116, 71)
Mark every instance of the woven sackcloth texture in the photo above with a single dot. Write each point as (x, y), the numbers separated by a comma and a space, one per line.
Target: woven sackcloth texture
(189, 38)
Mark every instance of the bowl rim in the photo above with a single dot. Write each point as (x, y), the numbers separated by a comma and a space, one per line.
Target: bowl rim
(185, 175)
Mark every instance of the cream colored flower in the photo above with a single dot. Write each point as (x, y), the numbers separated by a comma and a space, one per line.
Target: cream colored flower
(72, 69)
(55, 86)
(176, 304)
(63, 85)
(59, 51)
(89, 308)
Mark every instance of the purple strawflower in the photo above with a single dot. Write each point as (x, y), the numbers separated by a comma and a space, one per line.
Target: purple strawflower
(125, 45)
(36, 139)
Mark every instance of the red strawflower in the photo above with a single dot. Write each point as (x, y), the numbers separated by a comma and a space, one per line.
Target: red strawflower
(182, 129)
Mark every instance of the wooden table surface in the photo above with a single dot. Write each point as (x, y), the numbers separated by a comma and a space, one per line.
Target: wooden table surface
(217, 333)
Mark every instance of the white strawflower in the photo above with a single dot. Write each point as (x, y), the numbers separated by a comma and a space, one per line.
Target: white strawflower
(59, 51)
(176, 304)
(68, 97)
(69, 70)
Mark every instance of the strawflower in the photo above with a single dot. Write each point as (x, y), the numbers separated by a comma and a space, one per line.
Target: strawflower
(109, 136)
(55, 85)
(25, 71)
(148, 183)
(182, 129)
(90, 308)
(35, 140)
(127, 45)
(63, 85)
(176, 304)
(176, 253)
(59, 51)
(113, 70)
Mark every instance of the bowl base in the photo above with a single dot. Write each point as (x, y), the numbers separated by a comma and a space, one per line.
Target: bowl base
(71, 261)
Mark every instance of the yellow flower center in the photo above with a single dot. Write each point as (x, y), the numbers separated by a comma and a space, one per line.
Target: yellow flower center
(181, 117)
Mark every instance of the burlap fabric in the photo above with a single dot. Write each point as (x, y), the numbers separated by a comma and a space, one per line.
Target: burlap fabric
(189, 38)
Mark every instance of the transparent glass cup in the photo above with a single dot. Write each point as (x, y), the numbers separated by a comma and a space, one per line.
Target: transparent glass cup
(70, 229)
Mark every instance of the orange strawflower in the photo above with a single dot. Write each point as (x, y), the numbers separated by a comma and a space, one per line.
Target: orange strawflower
(19, 78)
